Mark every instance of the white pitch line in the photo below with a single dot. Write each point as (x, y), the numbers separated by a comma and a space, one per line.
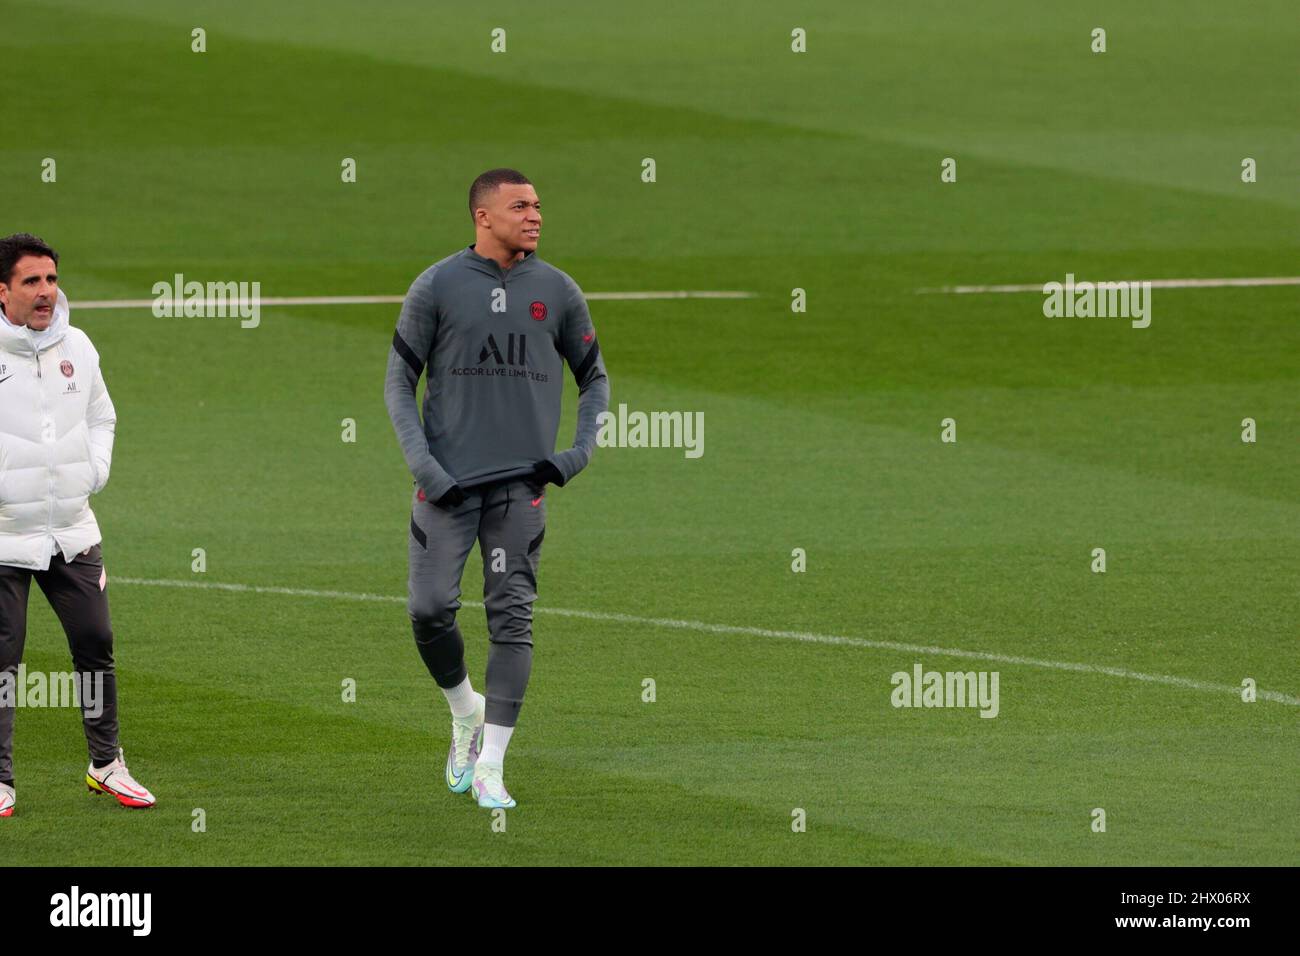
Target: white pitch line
(1154, 283)
(398, 299)
(1183, 682)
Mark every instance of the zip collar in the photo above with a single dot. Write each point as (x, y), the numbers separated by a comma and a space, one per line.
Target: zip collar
(493, 268)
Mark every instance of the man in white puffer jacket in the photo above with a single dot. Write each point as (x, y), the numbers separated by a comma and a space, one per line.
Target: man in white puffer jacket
(56, 446)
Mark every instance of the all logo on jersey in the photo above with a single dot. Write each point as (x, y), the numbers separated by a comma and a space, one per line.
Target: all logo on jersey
(492, 351)
(537, 310)
(501, 356)
(66, 368)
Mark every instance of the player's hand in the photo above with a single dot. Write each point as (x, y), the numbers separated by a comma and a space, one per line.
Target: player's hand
(454, 498)
(546, 473)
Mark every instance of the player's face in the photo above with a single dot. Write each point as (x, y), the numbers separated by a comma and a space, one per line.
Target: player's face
(515, 216)
(29, 295)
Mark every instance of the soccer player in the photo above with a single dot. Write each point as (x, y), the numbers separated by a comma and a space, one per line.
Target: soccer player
(491, 328)
(56, 446)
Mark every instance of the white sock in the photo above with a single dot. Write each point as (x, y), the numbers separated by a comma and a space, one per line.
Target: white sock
(461, 698)
(495, 741)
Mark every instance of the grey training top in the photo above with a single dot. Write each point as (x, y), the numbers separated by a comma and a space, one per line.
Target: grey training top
(493, 344)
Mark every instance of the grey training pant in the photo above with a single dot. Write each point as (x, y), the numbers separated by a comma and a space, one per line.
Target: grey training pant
(509, 520)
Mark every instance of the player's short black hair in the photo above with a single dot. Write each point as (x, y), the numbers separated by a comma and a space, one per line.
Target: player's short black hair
(489, 181)
(13, 248)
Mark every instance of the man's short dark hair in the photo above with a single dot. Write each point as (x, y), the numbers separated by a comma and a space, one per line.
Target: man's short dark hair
(489, 181)
(13, 248)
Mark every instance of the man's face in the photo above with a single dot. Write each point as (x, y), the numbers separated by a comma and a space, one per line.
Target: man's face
(513, 214)
(28, 297)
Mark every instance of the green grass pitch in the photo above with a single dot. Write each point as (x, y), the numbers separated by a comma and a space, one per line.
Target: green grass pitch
(775, 170)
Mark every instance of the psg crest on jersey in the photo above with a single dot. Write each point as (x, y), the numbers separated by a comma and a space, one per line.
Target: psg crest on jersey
(537, 310)
(66, 368)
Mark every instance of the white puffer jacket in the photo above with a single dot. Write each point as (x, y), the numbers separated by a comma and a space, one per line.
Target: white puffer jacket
(56, 440)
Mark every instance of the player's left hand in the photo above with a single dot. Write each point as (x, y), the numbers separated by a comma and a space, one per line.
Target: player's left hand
(546, 473)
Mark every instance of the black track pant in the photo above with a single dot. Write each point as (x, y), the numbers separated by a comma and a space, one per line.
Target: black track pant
(77, 592)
